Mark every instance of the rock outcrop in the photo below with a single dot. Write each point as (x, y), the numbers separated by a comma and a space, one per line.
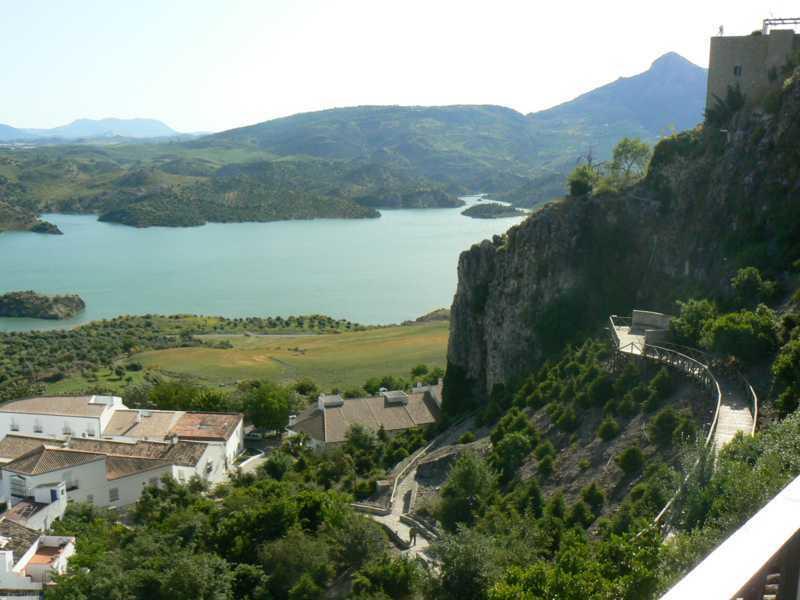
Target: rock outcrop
(38, 306)
(715, 199)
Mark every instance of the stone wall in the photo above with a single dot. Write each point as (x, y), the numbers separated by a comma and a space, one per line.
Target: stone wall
(746, 61)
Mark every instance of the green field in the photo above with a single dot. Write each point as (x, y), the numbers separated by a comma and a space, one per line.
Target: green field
(342, 360)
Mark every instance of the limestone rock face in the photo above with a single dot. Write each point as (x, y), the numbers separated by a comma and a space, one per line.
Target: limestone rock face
(713, 201)
(37, 306)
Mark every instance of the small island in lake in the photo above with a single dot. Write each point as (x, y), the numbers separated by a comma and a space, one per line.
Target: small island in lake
(492, 210)
(31, 305)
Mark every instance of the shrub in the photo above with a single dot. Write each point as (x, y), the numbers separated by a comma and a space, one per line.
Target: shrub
(469, 488)
(582, 180)
(630, 460)
(509, 454)
(601, 390)
(688, 325)
(594, 497)
(545, 466)
(467, 438)
(627, 407)
(662, 427)
(544, 448)
(751, 288)
(580, 515)
(530, 498)
(277, 464)
(568, 420)
(608, 430)
(747, 335)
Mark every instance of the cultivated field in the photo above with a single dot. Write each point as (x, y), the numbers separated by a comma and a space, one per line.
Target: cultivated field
(345, 359)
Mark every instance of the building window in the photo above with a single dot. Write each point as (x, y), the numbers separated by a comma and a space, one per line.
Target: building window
(18, 486)
(737, 71)
(14, 425)
(209, 467)
(37, 426)
(67, 429)
(113, 495)
(90, 498)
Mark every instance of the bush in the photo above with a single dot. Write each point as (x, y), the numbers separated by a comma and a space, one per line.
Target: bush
(662, 427)
(751, 288)
(467, 438)
(630, 460)
(277, 464)
(568, 420)
(608, 430)
(509, 454)
(580, 515)
(545, 466)
(594, 497)
(469, 488)
(582, 180)
(544, 448)
(747, 335)
(687, 327)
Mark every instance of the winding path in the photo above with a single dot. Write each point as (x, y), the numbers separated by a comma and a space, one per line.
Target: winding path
(736, 401)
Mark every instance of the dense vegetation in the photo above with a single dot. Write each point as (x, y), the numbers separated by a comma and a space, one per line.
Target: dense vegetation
(38, 306)
(29, 358)
(491, 210)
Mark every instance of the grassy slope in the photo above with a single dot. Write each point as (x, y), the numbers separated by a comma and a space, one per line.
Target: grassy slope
(342, 360)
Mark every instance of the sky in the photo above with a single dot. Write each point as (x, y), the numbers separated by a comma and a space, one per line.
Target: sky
(210, 65)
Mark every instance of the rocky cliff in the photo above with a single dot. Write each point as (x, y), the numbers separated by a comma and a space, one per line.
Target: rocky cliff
(38, 306)
(715, 198)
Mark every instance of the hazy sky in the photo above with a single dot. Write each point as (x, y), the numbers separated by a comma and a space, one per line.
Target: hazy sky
(214, 64)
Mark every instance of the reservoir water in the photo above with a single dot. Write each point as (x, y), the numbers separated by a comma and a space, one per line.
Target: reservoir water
(371, 271)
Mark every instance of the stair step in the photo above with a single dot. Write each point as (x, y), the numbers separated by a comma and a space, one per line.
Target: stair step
(773, 578)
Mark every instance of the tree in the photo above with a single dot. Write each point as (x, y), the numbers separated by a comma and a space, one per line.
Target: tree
(468, 490)
(277, 464)
(688, 325)
(630, 159)
(198, 577)
(751, 288)
(630, 460)
(267, 405)
(509, 454)
(608, 430)
(747, 335)
(288, 559)
(582, 180)
(398, 578)
(469, 565)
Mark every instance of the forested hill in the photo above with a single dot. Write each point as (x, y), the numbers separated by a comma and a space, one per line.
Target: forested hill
(467, 145)
(490, 148)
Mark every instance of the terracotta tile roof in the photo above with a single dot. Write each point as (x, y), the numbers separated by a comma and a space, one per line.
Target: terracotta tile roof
(332, 424)
(124, 466)
(45, 555)
(75, 406)
(142, 423)
(46, 459)
(13, 446)
(207, 426)
(16, 537)
(182, 453)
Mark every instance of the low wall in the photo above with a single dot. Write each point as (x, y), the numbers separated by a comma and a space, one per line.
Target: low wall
(648, 319)
(656, 336)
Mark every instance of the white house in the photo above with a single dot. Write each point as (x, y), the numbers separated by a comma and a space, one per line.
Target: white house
(107, 417)
(47, 503)
(103, 472)
(28, 560)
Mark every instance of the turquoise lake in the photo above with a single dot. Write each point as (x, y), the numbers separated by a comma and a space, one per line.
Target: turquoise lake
(371, 271)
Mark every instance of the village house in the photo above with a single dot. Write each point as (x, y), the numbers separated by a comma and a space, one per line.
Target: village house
(326, 424)
(28, 560)
(105, 453)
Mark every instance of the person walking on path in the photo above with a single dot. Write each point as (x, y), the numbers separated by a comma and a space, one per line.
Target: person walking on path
(412, 534)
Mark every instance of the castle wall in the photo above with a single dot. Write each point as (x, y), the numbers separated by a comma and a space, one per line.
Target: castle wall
(755, 55)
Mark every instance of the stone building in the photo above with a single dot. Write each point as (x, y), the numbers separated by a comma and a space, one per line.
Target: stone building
(753, 62)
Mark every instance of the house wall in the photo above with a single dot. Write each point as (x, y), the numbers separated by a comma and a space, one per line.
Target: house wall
(11, 578)
(51, 425)
(235, 444)
(215, 456)
(92, 485)
(756, 55)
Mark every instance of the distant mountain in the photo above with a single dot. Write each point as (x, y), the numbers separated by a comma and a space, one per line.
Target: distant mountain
(491, 148)
(8, 134)
(99, 128)
(669, 96)
(90, 129)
